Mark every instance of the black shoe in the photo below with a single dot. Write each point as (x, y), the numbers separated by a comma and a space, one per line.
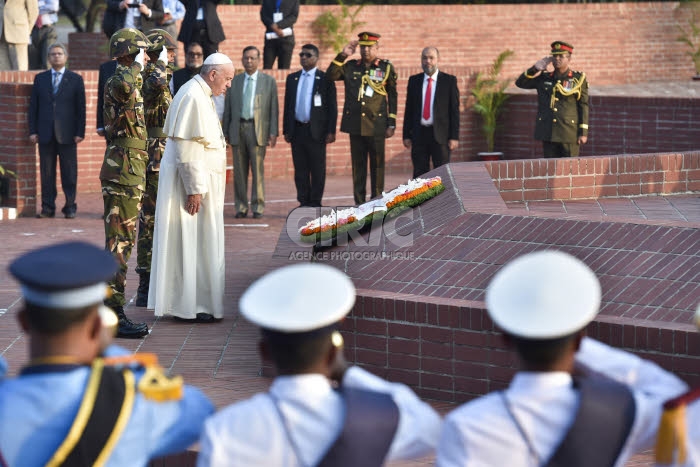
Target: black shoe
(206, 318)
(70, 215)
(127, 328)
(142, 292)
(45, 215)
(241, 215)
(257, 215)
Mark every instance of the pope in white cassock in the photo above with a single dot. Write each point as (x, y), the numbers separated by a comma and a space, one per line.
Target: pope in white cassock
(187, 271)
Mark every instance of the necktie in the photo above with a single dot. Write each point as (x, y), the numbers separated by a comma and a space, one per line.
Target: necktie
(302, 114)
(247, 112)
(56, 81)
(426, 101)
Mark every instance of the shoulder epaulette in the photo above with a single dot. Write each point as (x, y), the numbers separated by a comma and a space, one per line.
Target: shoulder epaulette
(157, 386)
(132, 360)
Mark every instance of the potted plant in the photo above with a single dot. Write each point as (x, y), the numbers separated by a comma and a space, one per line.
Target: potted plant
(333, 30)
(5, 176)
(690, 36)
(489, 97)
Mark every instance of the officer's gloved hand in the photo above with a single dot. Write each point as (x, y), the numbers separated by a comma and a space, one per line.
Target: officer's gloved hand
(542, 63)
(163, 55)
(140, 58)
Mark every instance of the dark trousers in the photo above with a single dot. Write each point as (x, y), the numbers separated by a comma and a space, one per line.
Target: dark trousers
(68, 159)
(42, 39)
(552, 150)
(362, 147)
(280, 49)
(423, 148)
(199, 35)
(309, 158)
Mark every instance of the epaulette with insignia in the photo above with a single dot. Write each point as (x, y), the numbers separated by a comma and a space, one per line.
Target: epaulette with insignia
(671, 440)
(154, 384)
(157, 386)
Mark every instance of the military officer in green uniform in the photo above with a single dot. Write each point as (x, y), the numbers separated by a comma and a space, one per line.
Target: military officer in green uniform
(156, 102)
(369, 113)
(562, 102)
(123, 173)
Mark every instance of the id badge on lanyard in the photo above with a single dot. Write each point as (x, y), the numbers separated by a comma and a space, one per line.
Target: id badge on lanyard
(277, 16)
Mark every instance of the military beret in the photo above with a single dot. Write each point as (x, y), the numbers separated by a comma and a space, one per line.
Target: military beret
(368, 38)
(64, 275)
(301, 298)
(543, 295)
(561, 47)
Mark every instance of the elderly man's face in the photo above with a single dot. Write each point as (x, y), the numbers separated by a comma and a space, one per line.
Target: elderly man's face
(195, 57)
(221, 77)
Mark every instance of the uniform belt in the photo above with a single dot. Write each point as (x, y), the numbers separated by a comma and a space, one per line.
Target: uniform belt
(156, 132)
(133, 143)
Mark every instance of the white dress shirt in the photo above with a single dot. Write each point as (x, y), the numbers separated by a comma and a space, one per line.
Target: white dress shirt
(482, 433)
(251, 432)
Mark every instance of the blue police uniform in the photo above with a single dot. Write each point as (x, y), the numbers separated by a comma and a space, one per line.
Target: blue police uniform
(121, 408)
(37, 409)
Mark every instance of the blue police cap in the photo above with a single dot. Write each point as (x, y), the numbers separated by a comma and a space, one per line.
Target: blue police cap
(64, 275)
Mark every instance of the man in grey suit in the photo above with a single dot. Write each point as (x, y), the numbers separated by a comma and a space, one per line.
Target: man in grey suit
(250, 125)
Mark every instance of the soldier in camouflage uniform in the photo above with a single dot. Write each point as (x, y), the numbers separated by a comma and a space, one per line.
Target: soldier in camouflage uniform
(123, 173)
(369, 113)
(156, 101)
(562, 109)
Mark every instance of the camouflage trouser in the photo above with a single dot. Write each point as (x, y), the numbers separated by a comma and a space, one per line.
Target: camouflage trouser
(147, 216)
(122, 205)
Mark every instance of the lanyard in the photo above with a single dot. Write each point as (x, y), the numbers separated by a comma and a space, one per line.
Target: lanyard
(509, 409)
(287, 429)
(279, 4)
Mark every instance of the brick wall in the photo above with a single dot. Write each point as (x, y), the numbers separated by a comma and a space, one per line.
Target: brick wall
(616, 43)
(596, 177)
(450, 350)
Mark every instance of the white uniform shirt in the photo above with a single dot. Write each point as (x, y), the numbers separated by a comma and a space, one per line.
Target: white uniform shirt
(482, 433)
(251, 433)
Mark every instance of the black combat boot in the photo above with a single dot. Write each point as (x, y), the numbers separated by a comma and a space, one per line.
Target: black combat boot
(142, 292)
(127, 328)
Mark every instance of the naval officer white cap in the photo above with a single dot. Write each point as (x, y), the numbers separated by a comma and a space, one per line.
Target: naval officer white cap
(543, 295)
(299, 298)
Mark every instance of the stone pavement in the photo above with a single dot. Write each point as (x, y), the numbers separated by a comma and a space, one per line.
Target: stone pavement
(221, 358)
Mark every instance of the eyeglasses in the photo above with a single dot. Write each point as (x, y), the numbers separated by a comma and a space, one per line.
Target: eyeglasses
(305, 54)
(194, 54)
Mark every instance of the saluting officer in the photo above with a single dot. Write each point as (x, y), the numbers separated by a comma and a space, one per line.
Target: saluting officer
(79, 400)
(156, 102)
(562, 102)
(123, 172)
(369, 113)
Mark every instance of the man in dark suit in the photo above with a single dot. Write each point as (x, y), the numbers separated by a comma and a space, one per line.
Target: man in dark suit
(57, 123)
(143, 15)
(431, 122)
(250, 124)
(194, 58)
(310, 115)
(201, 24)
(279, 17)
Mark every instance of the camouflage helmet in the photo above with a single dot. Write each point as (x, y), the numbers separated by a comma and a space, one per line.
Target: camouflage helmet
(127, 41)
(158, 37)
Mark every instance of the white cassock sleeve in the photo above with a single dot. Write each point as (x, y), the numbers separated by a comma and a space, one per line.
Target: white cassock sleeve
(191, 166)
